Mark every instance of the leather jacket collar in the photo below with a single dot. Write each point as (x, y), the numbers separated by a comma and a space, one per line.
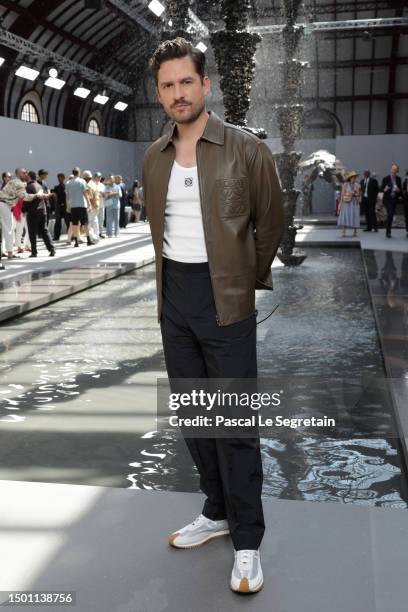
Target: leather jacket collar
(213, 132)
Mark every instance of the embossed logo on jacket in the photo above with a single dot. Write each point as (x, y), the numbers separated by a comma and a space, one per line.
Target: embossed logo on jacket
(234, 195)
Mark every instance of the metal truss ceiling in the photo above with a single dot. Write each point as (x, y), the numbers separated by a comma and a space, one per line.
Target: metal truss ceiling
(338, 26)
(30, 50)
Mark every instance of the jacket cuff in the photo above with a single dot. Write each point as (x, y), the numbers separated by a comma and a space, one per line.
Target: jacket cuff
(264, 284)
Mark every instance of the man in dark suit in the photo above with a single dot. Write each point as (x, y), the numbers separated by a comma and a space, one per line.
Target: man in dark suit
(391, 187)
(369, 192)
(36, 217)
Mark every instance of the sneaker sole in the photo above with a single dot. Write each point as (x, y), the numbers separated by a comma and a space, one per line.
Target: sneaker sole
(173, 536)
(244, 587)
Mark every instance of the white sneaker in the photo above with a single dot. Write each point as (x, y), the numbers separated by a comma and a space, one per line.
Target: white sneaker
(247, 574)
(199, 531)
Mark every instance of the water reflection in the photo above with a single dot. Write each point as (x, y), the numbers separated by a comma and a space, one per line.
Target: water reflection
(77, 389)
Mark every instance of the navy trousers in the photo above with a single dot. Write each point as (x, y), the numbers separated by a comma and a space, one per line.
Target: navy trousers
(390, 206)
(195, 346)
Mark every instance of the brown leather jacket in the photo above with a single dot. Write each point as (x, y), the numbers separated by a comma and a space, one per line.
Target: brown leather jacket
(241, 202)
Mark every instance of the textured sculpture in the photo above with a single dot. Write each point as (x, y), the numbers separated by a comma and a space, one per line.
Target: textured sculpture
(324, 165)
(290, 118)
(234, 50)
(177, 13)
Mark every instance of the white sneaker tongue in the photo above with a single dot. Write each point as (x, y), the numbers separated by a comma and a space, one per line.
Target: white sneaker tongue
(244, 560)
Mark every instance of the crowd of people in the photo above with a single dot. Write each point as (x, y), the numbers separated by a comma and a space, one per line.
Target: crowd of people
(362, 197)
(89, 204)
(97, 207)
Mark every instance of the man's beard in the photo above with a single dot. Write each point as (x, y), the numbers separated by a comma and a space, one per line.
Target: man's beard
(191, 118)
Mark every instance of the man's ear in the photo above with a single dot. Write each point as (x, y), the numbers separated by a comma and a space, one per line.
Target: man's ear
(206, 85)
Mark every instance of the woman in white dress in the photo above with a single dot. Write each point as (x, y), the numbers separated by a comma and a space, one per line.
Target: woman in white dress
(350, 204)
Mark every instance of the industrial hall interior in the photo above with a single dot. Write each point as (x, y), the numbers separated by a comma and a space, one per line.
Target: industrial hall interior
(214, 192)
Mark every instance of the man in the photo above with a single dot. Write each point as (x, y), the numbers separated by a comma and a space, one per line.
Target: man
(78, 201)
(207, 186)
(93, 194)
(391, 187)
(37, 217)
(98, 179)
(61, 211)
(369, 192)
(9, 197)
(42, 181)
(5, 178)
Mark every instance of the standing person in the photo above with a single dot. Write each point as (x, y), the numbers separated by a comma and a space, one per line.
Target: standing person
(9, 196)
(60, 205)
(5, 178)
(136, 200)
(349, 204)
(391, 187)
(405, 196)
(99, 182)
(123, 200)
(113, 194)
(37, 217)
(369, 193)
(78, 201)
(20, 227)
(207, 186)
(143, 214)
(49, 203)
(94, 197)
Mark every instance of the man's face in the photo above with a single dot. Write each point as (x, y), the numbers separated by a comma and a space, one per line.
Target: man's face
(97, 179)
(43, 177)
(7, 177)
(181, 91)
(394, 170)
(22, 174)
(366, 173)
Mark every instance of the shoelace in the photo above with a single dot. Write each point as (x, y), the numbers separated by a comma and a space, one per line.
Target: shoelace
(198, 520)
(244, 557)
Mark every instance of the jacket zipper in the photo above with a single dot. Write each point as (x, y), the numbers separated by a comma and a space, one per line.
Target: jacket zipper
(217, 318)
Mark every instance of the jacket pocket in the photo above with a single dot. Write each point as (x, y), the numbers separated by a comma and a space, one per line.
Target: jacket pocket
(233, 195)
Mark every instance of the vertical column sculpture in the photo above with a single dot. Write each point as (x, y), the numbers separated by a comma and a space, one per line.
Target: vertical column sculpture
(290, 118)
(234, 50)
(177, 13)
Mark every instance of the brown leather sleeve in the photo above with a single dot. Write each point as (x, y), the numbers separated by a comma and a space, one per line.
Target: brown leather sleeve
(144, 183)
(267, 213)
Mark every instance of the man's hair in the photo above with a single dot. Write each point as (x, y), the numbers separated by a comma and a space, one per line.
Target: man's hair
(32, 175)
(60, 174)
(177, 49)
(76, 171)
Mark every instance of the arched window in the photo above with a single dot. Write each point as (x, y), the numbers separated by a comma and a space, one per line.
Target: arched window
(29, 113)
(93, 127)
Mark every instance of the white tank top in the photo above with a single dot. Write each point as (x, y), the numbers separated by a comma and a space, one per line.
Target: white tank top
(183, 223)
